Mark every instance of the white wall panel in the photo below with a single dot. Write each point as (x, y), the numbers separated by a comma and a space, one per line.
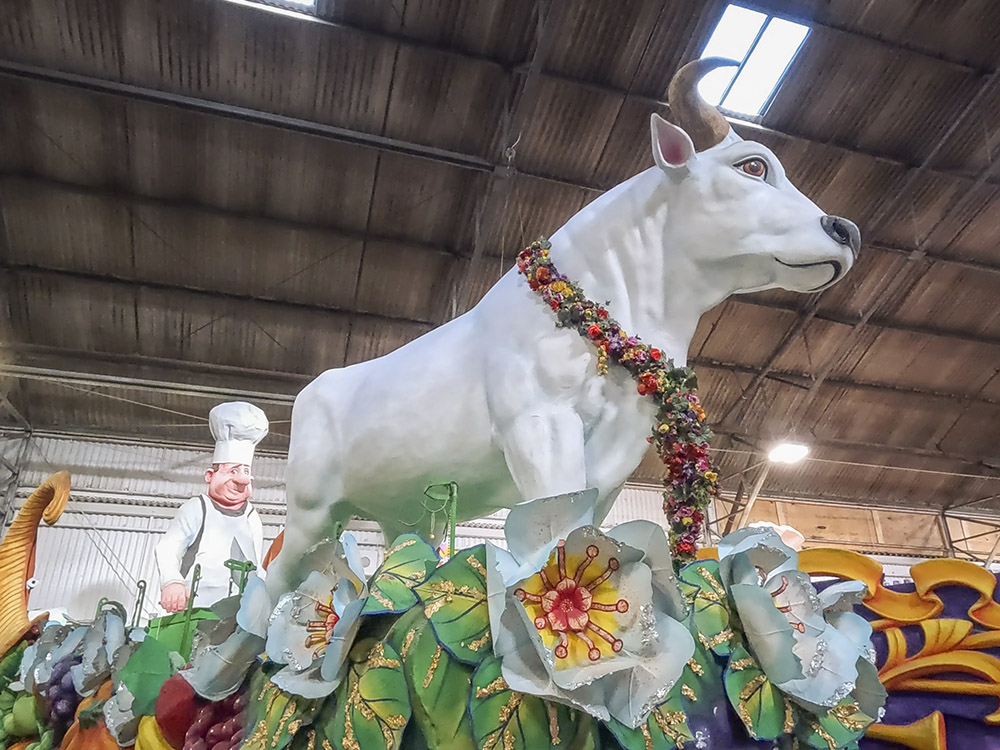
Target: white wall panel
(124, 495)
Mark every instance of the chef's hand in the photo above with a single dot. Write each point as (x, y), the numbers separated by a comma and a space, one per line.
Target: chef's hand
(173, 597)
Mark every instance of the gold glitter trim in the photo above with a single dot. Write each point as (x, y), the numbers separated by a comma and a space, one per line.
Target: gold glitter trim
(381, 598)
(433, 668)
(285, 716)
(710, 595)
(789, 726)
(739, 665)
(497, 686)
(668, 724)
(401, 546)
(688, 693)
(695, 667)
(646, 737)
(294, 726)
(745, 693)
(479, 642)
(553, 723)
(377, 658)
(504, 717)
(476, 565)
(327, 745)
(312, 740)
(407, 642)
(446, 591)
(715, 640)
(832, 743)
(712, 581)
(843, 714)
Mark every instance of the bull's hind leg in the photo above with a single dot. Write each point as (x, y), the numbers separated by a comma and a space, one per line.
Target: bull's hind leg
(545, 453)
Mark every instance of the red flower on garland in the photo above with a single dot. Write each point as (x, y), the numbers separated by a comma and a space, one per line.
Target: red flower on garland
(679, 434)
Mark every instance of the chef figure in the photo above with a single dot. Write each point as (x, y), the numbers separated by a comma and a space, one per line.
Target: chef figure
(210, 529)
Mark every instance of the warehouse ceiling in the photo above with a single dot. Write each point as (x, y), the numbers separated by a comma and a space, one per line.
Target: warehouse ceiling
(205, 200)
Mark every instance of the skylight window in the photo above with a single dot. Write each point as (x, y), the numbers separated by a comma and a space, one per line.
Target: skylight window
(763, 45)
(282, 7)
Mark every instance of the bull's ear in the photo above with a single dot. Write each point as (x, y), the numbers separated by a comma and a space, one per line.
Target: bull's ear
(672, 147)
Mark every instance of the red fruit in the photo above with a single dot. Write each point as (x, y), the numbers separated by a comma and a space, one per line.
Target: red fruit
(198, 744)
(177, 707)
(224, 745)
(241, 701)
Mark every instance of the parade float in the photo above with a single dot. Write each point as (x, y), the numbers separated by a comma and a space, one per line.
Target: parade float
(572, 635)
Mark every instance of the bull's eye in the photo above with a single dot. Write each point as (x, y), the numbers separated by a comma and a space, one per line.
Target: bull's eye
(754, 166)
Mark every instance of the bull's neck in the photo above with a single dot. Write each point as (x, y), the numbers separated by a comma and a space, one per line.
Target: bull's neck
(618, 250)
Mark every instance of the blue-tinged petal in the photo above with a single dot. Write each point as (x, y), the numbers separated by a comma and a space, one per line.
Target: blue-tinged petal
(793, 592)
(255, 607)
(220, 670)
(857, 630)
(650, 539)
(870, 692)
(501, 570)
(842, 596)
(630, 696)
(533, 528)
(769, 632)
(524, 671)
(341, 641)
(829, 670)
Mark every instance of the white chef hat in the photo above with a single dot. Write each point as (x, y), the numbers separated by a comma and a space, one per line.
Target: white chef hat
(237, 428)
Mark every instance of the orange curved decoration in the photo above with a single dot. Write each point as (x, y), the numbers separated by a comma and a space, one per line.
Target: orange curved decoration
(17, 555)
(927, 733)
(923, 604)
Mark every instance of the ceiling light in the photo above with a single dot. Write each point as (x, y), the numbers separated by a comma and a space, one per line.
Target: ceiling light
(788, 453)
(763, 45)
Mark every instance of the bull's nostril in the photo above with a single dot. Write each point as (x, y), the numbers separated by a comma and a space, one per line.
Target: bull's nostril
(842, 231)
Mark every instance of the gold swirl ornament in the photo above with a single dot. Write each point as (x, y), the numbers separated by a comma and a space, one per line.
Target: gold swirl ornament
(17, 556)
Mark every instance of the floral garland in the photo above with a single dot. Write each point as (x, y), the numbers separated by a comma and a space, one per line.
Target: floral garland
(680, 434)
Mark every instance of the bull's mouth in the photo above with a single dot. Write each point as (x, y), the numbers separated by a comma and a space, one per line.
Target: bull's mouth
(834, 264)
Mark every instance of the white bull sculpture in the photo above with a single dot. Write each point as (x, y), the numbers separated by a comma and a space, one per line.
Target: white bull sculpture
(511, 407)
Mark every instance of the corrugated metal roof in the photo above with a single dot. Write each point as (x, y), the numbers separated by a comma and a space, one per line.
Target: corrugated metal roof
(150, 239)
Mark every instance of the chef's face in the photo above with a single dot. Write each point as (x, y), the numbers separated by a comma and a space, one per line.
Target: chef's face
(229, 485)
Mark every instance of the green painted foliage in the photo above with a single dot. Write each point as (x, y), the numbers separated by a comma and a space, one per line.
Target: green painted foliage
(439, 685)
(505, 718)
(843, 725)
(372, 705)
(710, 619)
(406, 565)
(665, 729)
(758, 703)
(454, 599)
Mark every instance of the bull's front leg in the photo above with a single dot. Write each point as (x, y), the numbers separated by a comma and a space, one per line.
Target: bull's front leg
(544, 450)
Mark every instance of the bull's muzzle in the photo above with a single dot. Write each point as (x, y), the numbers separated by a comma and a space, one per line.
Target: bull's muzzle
(843, 231)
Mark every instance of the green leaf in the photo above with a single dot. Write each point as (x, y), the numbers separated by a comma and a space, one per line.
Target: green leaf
(454, 599)
(665, 729)
(372, 704)
(405, 566)
(758, 703)
(439, 689)
(710, 619)
(144, 674)
(276, 716)
(838, 728)
(505, 718)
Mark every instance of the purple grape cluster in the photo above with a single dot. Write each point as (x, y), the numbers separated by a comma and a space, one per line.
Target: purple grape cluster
(61, 699)
(218, 726)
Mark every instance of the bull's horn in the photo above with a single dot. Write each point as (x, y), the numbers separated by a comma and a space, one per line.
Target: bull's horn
(703, 122)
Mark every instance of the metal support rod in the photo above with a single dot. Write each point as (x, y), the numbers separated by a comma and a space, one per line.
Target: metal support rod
(752, 498)
(993, 552)
(946, 534)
